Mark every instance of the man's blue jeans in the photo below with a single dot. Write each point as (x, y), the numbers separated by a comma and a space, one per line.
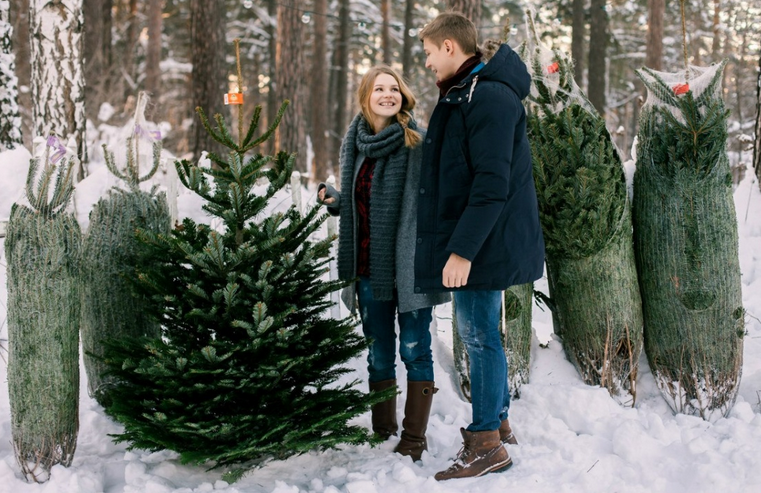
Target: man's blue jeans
(414, 337)
(478, 314)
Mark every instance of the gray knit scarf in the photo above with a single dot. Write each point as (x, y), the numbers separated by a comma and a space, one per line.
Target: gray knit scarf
(390, 154)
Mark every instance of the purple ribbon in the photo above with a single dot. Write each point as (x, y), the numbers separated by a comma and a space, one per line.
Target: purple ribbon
(148, 134)
(60, 150)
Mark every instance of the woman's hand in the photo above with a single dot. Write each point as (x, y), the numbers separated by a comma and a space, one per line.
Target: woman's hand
(322, 199)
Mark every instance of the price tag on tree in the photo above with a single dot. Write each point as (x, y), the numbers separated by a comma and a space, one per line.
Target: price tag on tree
(234, 98)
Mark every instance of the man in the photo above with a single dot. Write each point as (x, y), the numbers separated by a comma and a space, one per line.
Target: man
(478, 219)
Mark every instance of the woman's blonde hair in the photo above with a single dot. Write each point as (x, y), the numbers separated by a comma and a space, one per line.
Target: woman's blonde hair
(411, 137)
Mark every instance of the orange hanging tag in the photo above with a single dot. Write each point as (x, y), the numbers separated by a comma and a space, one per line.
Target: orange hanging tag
(554, 68)
(680, 89)
(234, 98)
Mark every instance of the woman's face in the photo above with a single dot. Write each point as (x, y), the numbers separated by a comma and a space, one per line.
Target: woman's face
(385, 98)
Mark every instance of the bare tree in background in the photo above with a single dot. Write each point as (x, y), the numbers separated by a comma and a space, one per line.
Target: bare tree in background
(10, 121)
(577, 41)
(133, 30)
(409, 22)
(291, 135)
(272, 103)
(598, 57)
(209, 81)
(385, 31)
(319, 92)
(654, 48)
(757, 140)
(470, 8)
(97, 47)
(342, 74)
(153, 55)
(58, 83)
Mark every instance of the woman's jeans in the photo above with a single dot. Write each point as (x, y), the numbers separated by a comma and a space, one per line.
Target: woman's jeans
(414, 337)
(478, 314)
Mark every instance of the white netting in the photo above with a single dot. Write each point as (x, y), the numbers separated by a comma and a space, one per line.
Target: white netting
(664, 87)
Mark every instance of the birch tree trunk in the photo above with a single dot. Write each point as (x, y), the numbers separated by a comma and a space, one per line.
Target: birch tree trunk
(10, 121)
(58, 99)
(319, 92)
(153, 58)
(598, 58)
(20, 21)
(291, 133)
(654, 48)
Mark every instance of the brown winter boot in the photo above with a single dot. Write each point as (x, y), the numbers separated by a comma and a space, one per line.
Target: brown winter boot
(384, 413)
(506, 433)
(416, 412)
(482, 453)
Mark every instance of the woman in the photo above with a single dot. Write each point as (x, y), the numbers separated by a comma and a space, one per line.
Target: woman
(380, 172)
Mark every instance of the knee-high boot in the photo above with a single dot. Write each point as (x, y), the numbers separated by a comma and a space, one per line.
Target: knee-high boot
(417, 409)
(384, 413)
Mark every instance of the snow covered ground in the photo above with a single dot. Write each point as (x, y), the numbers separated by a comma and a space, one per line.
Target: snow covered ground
(572, 437)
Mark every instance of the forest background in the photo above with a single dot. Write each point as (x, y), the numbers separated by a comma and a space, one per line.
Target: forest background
(314, 53)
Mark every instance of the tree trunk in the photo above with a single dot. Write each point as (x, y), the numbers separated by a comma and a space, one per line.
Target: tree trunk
(93, 55)
(577, 41)
(20, 22)
(470, 8)
(209, 84)
(598, 44)
(10, 121)
(342, 83)
(716, 45)
(654, 48)
(409, 10)
(290, 134)
(58, 84)
(319, 92)
(272, 103)
(385, 34)
(153, 58)
(757, 142)
(133, 30)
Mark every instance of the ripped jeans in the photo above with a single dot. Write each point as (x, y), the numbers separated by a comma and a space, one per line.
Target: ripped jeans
(478, 314)
(414, 337)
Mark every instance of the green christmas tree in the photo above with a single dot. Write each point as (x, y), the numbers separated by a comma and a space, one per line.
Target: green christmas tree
(248, 362)
(111, 251)
(43, 251)
(686, 242)
(586, 220)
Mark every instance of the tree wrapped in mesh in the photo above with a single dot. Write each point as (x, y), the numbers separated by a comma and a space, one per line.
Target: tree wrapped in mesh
(248, 363)
(686, 242)
(586, 220)
(42, 247)
(515, 331)
(110, 308)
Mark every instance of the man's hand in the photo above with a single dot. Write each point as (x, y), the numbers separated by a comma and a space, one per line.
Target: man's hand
(456, 272)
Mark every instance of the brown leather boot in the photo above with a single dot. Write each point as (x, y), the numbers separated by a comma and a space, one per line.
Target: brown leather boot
(482, 453)
(417, 409)
(384, 413)
(506, 433)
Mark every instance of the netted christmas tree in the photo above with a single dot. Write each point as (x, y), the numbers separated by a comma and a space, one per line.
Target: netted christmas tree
(43, 249)
(586, 220)
(248, 363)
(515, 331)
(110, 309)
(686, 241)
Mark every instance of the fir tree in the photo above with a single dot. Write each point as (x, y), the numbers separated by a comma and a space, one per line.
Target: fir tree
(586, 220)
(43, 250)
(248, 362)
(686, 242)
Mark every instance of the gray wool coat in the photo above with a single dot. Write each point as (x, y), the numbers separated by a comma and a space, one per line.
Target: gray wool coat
(406, 238)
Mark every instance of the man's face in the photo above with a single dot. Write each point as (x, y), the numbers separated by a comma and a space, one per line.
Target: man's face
(440, 59)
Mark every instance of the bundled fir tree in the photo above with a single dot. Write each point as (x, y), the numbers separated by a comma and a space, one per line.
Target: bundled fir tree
(516, 332)
(110, 309)
(248, 362)
(686, 242)
(585, 216)
(42, 247)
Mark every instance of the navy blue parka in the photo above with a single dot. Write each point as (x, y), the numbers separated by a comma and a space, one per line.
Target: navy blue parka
(477, 197)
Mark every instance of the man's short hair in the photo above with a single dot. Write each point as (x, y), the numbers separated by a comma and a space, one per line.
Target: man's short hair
(453, 26)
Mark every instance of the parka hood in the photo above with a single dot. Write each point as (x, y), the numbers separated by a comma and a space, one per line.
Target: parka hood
(507, 67)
